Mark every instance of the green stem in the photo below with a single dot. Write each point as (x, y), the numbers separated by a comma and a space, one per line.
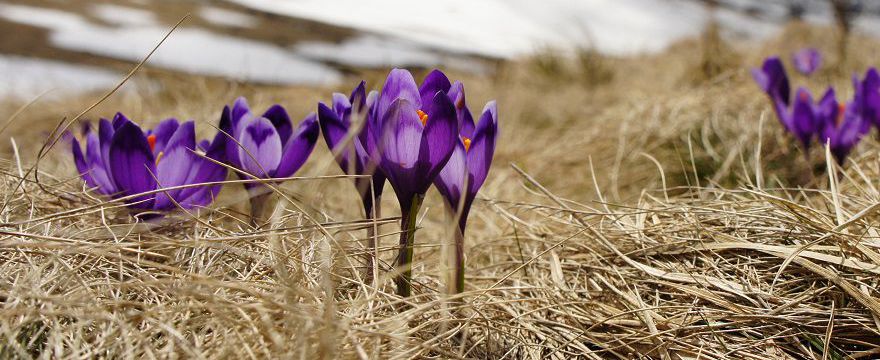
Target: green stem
(407, 239)
(459, 260)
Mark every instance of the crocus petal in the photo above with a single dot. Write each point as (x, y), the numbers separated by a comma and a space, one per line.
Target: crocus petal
(105, 137)
(868, 94)
(299, 147)
(450, 181)
(341, 106)
(465, 119)
(401, 144)
(163, 133)
(358, 97)
(118, 120)
(231, 146)
(399, 85)
(260, 150)
(773, 80)
(175, 168)
(440, 135)
(184, 136)
(482, 149)
(369, 135)
(239, 109)
(80, 162)
(205, 171)
(848, 135)
(435, 81)
(826, 108)
(132, 163)
(98, 169)
(176, 165)
(803, 120)
(279, 118)
(334, 132)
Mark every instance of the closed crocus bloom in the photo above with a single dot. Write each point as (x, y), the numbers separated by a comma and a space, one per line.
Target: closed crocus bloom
(807, 60)
(802, 121)
(866, 97)
(265, 146)
(122, 160)
(793, 114)
(771, 77)
(464, 174)
(356, 154)
(417, 129)
(842, 126)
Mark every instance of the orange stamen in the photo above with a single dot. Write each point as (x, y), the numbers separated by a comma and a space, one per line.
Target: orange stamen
(803, 96)
(467, 143)
(423, 117)
(152, 141)
(841, 109)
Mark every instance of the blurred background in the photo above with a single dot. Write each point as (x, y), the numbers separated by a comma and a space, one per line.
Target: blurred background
(71, 46)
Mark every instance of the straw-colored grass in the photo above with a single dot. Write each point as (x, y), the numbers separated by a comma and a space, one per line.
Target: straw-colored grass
(660, 214)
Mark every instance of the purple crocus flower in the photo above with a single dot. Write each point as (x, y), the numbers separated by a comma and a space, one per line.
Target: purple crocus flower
(792, 114)
(356, 155)
(265, 146)
(121, 160)
(867, 96)
(807, 60)
(464, 174)
(841, 126)
(335, 121)
(417, 132)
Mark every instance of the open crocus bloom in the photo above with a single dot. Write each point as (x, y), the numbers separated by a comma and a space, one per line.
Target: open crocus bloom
(122, 160)
(419, 130)
(266, 146)
(794, 114)
(354, 157)
(807, 61)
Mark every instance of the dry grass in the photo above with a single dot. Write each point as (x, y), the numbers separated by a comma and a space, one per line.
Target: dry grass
(652, 216)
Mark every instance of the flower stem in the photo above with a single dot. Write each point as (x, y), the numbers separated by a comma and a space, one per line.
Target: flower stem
(455, 277)
(407, 239)
(372, 212)
(261, 202)
(459, 260)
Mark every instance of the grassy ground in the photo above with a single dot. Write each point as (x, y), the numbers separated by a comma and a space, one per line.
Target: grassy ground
(645, 207)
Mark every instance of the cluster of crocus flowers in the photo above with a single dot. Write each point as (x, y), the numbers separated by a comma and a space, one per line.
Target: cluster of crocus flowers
(410, 135)
(161, 169)
(840, 125)
(414, 136)
(152, 171)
